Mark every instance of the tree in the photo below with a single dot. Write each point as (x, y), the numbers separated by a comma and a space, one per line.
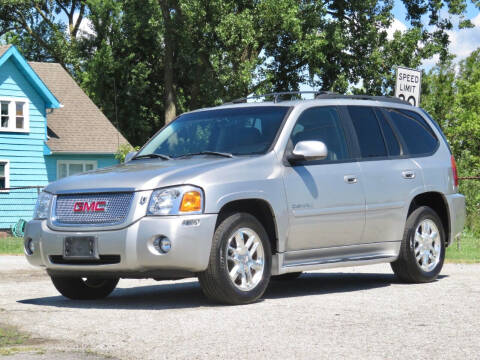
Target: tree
(147, 61)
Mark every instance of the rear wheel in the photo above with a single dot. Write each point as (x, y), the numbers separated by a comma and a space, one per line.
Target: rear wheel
(423, 247)
(240, 261)
(77, 288)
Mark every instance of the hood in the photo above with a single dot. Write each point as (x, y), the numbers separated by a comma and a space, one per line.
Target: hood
(145, 174)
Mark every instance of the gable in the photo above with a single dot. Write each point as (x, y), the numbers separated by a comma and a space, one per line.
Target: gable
(10, 54)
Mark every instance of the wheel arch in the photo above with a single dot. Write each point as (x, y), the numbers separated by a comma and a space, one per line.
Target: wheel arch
(261, 209)
(438, 203)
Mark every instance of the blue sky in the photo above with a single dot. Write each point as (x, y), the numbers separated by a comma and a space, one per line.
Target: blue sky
(462, 42)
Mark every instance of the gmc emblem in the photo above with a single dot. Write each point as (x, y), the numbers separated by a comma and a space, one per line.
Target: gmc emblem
(94, 206)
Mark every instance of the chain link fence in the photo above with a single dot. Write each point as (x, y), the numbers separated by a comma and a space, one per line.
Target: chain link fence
(16, 208)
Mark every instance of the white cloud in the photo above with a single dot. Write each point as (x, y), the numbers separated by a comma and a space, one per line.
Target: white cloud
(462, 43)
(396, 25)
(86, 28)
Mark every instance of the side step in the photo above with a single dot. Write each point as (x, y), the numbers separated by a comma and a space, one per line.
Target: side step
(336, 263)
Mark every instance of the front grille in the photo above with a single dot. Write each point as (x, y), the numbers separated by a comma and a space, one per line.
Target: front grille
(104, 260)
(113, 209)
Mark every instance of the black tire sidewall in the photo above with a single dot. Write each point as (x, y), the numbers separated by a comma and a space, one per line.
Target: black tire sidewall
(419, 215)
(235, 222)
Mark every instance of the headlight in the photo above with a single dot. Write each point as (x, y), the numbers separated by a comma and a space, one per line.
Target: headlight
(176, 200)
(43, 206)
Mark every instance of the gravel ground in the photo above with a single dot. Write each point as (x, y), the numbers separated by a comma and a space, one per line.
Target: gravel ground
(360, 312)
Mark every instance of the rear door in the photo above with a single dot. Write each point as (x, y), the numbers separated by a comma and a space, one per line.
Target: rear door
(390, 176)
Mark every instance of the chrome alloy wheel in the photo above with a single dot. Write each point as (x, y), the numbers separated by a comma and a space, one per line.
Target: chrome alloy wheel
(245, 259)
(427, 246)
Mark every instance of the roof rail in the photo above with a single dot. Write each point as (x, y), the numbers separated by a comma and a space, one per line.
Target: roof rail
(277, 95)
(362, 97)
(319, 95)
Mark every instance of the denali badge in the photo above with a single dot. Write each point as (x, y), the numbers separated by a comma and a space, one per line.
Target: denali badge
(94, 206)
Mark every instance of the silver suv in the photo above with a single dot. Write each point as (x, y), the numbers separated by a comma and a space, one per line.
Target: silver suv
(247, 192)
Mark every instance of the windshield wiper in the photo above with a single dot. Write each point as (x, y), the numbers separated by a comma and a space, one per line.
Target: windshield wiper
(217, 153)
(152, 156)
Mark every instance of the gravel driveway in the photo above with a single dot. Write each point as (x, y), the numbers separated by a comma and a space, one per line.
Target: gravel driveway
(360, 312)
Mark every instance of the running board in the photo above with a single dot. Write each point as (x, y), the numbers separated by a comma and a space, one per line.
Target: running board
(335, 263)
(332, 257)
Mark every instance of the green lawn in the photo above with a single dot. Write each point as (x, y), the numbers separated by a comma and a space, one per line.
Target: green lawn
(467, 252)
(11, 246)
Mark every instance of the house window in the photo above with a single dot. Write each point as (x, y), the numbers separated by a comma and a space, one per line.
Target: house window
(71, 167)
(4, 174)
(14, 115)
(19, 114)
(5, 113)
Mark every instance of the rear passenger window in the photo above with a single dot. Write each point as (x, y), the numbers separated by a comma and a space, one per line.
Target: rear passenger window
(322, 124)
(417, 134)
(392, 142)
(368, 131)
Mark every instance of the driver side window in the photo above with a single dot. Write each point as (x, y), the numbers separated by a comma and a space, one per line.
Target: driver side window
(322, 124)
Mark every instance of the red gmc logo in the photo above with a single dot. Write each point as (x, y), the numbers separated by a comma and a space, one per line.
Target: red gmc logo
(94, 206)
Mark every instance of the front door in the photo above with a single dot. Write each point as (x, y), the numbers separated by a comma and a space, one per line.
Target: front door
(325, 198)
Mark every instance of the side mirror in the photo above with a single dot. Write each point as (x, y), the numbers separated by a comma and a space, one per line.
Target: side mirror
(308, 151)
(130, 156)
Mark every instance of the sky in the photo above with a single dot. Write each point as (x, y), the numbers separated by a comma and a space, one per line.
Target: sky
(462, 42)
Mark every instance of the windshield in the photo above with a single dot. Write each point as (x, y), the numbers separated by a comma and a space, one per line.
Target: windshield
(236, 131)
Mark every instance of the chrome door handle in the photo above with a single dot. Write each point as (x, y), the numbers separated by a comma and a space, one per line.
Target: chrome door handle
(408, 174)
(350, 179)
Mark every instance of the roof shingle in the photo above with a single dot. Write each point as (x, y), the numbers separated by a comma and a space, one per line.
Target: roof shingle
(3, 49)
(79, 126)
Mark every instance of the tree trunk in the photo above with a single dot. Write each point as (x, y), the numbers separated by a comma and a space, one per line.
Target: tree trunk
(169, 101)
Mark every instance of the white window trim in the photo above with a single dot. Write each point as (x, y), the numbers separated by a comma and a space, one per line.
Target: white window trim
(12, 112)
(7, 175)
(76, 162)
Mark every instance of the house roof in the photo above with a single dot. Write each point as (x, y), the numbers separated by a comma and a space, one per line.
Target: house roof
(10, 52)
(78, 126)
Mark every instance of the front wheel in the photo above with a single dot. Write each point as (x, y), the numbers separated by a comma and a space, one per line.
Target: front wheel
(240, 261)
(422, 250)
(77, 288)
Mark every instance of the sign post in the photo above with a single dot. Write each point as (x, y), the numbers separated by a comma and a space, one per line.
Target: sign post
(408, 85)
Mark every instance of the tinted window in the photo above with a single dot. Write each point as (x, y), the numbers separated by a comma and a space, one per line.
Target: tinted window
(392, 142)
(418, 136)
(368, 131)
(240, 131)
(322, 124)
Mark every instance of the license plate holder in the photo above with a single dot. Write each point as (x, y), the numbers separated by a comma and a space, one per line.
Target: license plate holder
(80, 247)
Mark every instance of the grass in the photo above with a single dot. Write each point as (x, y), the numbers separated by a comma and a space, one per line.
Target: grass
(13, 341)
(467, 251)
(9, 336)
(11, 246)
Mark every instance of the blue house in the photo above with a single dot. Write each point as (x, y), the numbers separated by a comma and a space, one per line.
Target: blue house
(49, 129)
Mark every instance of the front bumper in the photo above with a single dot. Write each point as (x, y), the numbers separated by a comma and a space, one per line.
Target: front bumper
(190, 250)
(457, 211)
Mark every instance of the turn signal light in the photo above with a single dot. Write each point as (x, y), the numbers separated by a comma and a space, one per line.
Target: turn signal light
(192, 201)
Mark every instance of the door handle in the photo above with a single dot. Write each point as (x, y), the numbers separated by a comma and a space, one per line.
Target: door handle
(350, 179)
(408, 174)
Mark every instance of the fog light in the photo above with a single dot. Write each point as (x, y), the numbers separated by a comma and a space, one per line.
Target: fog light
(29, 246)
(162, 244)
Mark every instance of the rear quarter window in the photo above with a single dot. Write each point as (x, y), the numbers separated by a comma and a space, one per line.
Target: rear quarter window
(417, 134)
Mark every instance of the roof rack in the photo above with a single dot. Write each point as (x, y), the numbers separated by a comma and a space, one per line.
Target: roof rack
(319, 95)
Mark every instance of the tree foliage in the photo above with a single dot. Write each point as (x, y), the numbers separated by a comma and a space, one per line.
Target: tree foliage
(143, 62)
(453, 99)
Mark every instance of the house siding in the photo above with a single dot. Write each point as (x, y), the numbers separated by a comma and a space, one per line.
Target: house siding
(103, 160)
(24, 151)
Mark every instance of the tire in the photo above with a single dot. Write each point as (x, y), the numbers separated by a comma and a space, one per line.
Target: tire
(430, 258)
(76, 288)
(287, 276)
(228, 254)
